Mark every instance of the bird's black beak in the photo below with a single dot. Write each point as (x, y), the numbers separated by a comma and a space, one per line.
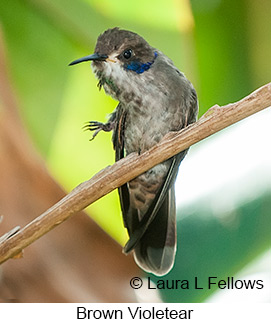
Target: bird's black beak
(92, 57)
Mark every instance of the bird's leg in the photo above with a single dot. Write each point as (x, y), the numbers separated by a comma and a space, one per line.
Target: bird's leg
(98, 126)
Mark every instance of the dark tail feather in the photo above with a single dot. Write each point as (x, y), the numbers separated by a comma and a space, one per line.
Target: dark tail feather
(155, 252)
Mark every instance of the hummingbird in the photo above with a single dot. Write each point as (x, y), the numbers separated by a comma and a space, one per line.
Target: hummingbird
(154, 98)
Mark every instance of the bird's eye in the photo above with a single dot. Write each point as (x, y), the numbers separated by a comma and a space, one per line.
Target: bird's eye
(127, 53)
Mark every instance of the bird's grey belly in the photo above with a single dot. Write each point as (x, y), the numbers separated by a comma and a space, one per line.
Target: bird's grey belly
(144, 188)
(143, 131)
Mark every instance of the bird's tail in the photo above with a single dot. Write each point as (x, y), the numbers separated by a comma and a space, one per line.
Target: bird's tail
(155, 251)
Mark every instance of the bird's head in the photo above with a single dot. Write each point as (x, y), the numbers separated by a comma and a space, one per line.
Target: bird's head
(117, 48)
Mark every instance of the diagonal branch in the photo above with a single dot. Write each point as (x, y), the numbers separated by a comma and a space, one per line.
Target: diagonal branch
(108, 179)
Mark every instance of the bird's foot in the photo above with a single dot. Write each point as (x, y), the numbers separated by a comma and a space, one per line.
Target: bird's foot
(97, 127)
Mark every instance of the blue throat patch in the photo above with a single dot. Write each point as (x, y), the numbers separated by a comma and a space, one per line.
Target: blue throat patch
(139, 67)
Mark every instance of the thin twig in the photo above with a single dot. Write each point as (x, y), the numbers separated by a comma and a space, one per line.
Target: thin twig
(108, 179)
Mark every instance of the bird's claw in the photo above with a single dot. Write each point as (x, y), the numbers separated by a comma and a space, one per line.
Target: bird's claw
(97, 127)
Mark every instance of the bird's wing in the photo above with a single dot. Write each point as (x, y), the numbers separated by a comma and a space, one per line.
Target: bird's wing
(141, 226)
(118, 143)
(135, 227)
(138, 228)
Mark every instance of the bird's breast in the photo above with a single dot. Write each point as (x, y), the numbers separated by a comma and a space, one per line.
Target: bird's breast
(148, 122)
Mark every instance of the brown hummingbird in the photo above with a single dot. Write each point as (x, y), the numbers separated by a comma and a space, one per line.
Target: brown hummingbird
(154, 98)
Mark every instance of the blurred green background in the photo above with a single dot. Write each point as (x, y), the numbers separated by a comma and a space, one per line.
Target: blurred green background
(223, 47)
